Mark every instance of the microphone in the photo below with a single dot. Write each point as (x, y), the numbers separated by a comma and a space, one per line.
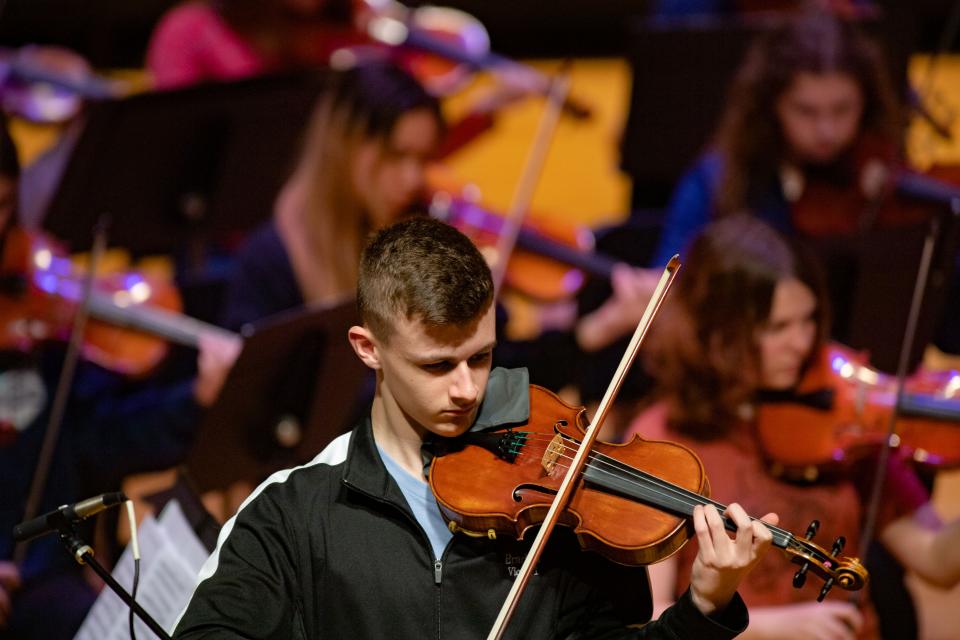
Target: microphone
(66, 514)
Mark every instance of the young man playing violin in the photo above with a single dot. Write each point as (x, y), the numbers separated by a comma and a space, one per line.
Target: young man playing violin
(352, 544)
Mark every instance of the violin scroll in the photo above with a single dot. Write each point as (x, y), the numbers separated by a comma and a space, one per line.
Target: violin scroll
(846, 572)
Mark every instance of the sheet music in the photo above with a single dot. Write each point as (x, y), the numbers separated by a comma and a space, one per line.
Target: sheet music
(170, 558)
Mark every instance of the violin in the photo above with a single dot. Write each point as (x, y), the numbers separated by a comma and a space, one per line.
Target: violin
(869, 188)
(552, 258)
(132, 316)
(443, 47)
(840, 412)
(48, 84)
(632, 503)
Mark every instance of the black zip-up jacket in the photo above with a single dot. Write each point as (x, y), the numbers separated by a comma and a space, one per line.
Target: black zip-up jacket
(331, 550)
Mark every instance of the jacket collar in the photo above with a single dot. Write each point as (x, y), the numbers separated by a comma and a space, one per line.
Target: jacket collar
(364, 469)
(506, 402)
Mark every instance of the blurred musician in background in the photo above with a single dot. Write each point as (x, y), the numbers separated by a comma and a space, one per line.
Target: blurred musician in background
(749, 314)
(199, 40)
(808, 99)
(812, 110)
(811, 100)
(221, 40)
(362, 167)
(112, 428)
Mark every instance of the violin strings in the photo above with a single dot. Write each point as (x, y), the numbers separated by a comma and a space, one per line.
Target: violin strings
(682, 496)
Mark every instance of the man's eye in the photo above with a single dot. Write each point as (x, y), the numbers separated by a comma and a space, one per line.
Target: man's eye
(437, 366)
(480, 357)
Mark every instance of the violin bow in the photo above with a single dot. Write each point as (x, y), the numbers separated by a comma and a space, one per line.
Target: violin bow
(59, 404)
(906, 348)
(532, 168)
(565, 492)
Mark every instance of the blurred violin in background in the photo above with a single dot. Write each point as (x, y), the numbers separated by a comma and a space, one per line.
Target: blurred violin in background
(48, 84)
(133, 316)
(840, 413)
(443, 47)
(552, 258)
(868, 189)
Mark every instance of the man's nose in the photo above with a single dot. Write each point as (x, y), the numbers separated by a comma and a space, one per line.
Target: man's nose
(463, 390)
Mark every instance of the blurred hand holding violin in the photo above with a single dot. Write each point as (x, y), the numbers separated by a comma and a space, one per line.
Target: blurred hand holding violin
(632, 288)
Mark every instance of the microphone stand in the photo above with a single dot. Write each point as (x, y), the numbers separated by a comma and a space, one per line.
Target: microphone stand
(916, 303)
(83, 554)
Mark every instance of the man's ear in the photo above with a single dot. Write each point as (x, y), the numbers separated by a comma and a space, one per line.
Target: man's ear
(364, 345)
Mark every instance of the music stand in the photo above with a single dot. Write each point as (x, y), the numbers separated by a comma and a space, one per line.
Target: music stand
(296, 385)
(194, 165)
(887, 267)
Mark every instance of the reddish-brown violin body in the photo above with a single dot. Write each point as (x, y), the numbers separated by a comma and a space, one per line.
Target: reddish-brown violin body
(804, 441)
(41, 292)
(487, 495)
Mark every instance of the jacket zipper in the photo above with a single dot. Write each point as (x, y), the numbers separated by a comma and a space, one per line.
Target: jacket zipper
(437, 569)
(437, 563)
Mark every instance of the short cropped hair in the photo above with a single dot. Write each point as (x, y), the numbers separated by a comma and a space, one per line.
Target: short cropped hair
(421, 269)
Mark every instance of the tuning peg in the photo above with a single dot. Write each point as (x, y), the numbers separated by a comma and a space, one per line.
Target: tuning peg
(825, 590)
(800, 577)
(838, 545)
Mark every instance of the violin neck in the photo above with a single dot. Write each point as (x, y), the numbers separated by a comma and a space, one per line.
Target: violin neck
(595, 264)
(174, 327)
(466, 215)
(632, 483)
(920, 405)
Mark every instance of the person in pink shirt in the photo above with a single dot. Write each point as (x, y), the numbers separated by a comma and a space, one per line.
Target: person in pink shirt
(199, 41)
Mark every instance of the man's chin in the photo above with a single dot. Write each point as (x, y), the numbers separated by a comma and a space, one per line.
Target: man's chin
(451, 426)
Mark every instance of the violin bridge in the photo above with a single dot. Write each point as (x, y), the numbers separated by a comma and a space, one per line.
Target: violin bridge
(554, 450)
